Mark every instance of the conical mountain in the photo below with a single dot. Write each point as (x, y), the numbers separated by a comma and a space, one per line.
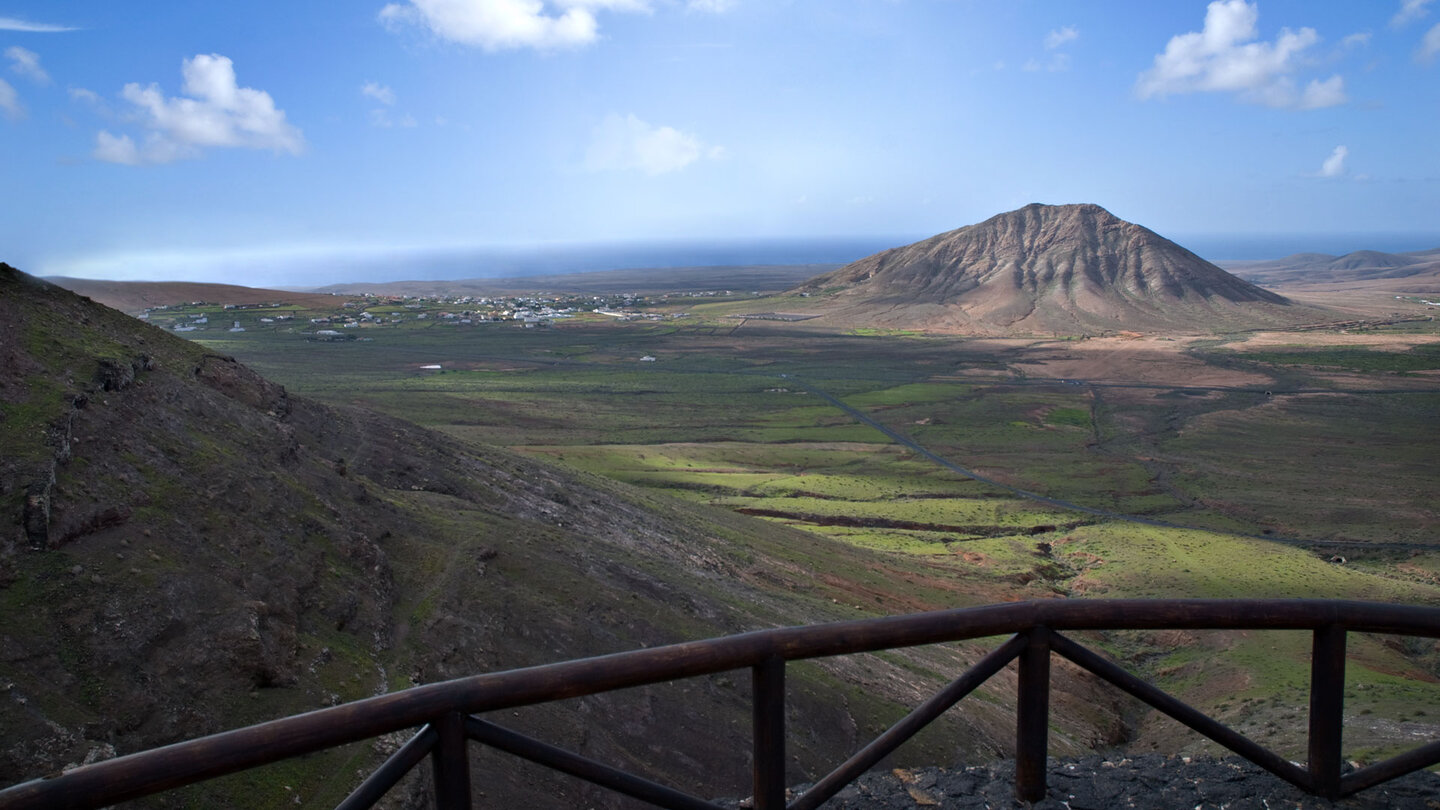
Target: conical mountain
(1048, 269)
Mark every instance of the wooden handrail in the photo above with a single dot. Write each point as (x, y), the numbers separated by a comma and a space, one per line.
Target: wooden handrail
(444, 708)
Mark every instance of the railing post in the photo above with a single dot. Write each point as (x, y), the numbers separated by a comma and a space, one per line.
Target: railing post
(1327, 702)
(1032, 716)
(769, 720)
(452, 763)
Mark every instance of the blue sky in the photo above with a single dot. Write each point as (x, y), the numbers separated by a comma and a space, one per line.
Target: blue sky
(259, 142)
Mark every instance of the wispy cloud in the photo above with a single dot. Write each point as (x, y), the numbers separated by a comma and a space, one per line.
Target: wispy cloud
(626, 143)
(1334, 166)
(1057, 61)
(1429, 46)
(27, 64)
(15, 24)
(712, 6)
(1410, 11)
(1226, 56)
(1357, 40)
(1059, 37)
(10, 102)
(497, 25)
(380, 117)
(214, 112)
(379, 92)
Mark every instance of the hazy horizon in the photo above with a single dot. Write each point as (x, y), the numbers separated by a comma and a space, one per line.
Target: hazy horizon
(320, 270)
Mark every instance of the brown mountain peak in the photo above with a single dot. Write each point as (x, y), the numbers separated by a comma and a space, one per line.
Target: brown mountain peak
(1048, 268)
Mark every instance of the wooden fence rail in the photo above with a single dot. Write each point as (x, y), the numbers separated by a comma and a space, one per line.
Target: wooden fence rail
(443, 712)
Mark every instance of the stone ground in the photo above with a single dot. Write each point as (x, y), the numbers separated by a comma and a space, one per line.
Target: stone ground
(1094, 783)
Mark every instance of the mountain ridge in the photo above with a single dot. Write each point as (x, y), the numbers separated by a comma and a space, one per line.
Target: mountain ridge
(1414, 271)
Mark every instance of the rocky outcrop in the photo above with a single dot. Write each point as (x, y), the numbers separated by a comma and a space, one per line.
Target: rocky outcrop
(117, 375)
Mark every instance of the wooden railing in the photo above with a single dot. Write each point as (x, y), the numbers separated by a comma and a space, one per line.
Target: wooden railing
(444, 712)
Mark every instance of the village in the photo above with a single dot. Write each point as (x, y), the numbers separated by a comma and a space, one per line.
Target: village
(395, 312)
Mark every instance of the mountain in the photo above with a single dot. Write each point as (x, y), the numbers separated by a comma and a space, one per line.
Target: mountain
(136, 296)
(185, 547)
(1417, 272)
(1047, 269)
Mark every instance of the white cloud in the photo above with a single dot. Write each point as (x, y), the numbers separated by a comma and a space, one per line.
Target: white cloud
(26, 63)
(379, 92)
(1323, 94)
(1430, 45)
(1356, 40)
(624, 143)
(217, 112)
(712, 6)
(116, 149)
(1225, 57)
(497, 25)
(10, 102)
(1057, 38)
(1410, 10)
(87, 96)
(14, 24)
(1334, 166)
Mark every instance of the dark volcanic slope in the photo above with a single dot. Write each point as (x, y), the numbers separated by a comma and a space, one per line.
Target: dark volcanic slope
(184, 548)
(1066, 269)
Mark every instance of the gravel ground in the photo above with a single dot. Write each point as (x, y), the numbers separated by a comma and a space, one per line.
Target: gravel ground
(1095, 783)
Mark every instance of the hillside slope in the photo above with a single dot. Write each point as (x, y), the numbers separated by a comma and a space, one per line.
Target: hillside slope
(1065, 269)
(135, 297)
(188, 548)
(1417, 272)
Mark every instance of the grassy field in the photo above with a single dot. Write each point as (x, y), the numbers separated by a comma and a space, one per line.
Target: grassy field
(724, 416)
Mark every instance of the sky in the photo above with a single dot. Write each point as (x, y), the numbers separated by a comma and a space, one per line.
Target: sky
(271, 143)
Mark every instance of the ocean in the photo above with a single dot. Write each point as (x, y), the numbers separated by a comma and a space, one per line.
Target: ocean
(581, 258)
(1242, 247)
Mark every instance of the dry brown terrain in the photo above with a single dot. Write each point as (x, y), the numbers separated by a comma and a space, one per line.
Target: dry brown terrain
(1359, 272)
(1155, 360)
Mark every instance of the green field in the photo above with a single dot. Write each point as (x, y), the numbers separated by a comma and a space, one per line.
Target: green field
(727, 417)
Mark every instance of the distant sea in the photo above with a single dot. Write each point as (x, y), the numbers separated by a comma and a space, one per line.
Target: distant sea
(559, 259)
(361, 265)
(1231, 247)
(583, 258)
